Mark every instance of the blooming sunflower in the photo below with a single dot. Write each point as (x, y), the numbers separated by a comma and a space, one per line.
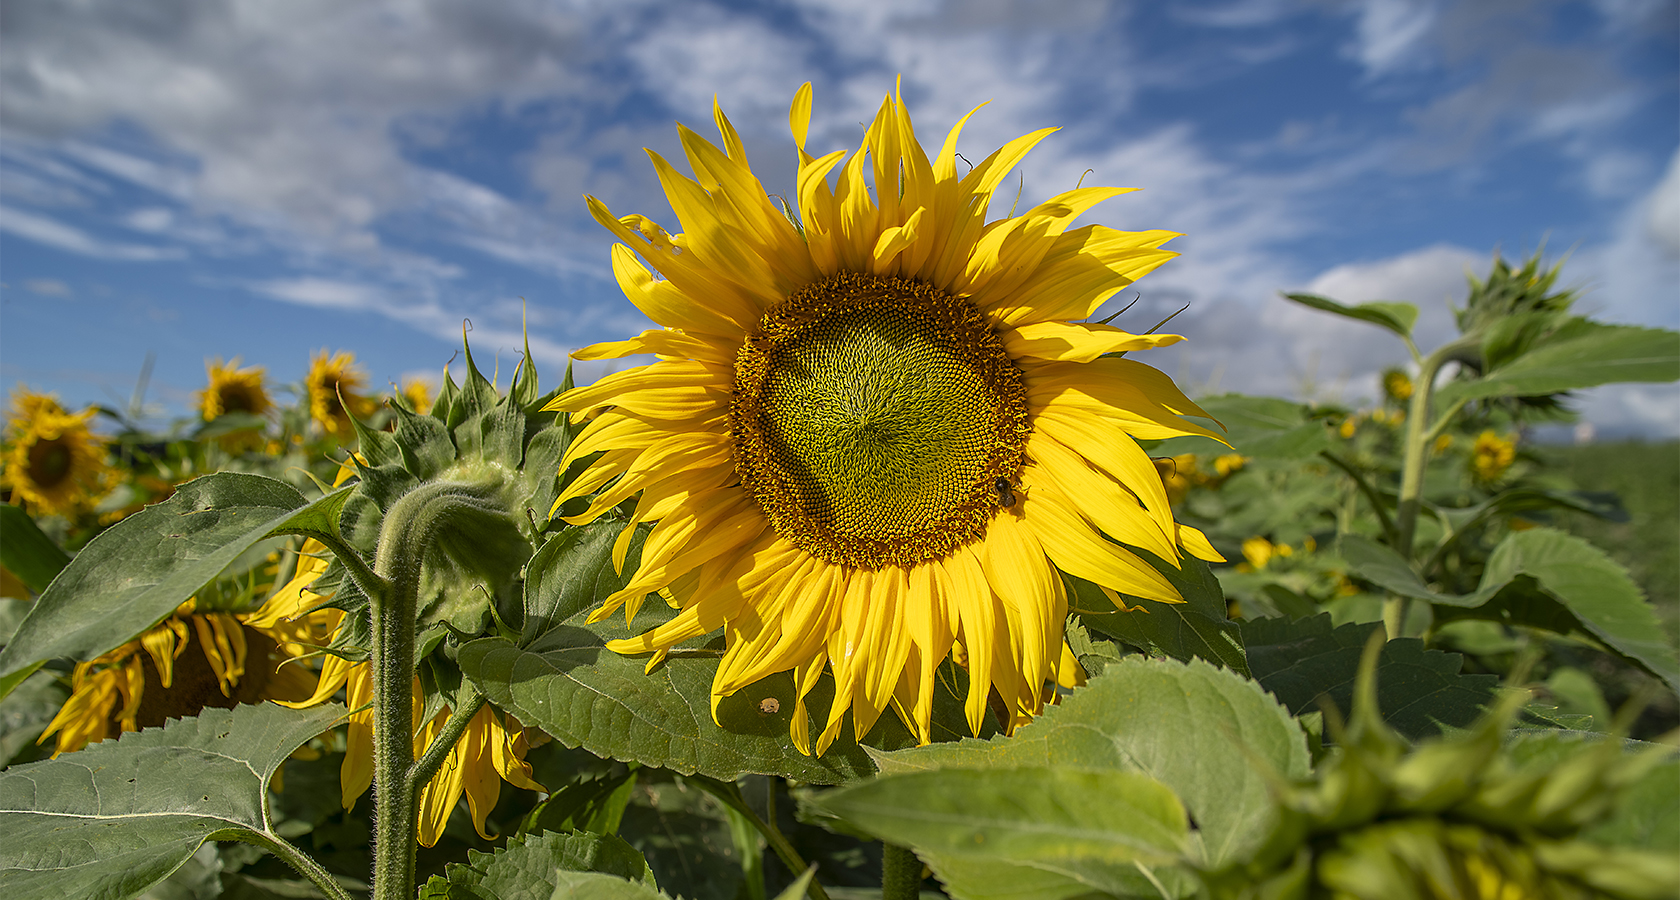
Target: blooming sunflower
(153, 678)
(55, 465)
(873, 439)
(332, 385)
(1491, 456)
(232, 390)
(491, 750)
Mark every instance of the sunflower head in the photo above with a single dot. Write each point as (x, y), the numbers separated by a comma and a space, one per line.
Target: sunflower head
(877, 435)
(333, 386)
(54, 464)
(1397, 386)
(1491, 456)
(233, 390)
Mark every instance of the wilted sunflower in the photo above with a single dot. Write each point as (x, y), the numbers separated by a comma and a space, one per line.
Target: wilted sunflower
(54, 465)
(873, 435)
(332, 383)
(232, 390)
(489, 751)
(241, 659)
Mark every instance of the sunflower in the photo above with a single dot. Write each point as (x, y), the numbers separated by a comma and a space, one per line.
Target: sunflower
(490, 751)
(151, 679)
(873, 439)
(417, 392)
(1491, 456)
(55, 465)
(232, 390)
(332, 385)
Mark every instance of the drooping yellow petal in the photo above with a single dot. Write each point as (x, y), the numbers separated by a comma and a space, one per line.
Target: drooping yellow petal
(1078, 342)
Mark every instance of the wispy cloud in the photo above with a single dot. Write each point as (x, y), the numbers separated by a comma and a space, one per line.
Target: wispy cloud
(58, 235)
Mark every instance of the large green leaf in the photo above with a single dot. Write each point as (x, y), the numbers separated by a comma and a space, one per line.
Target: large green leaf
(571, 573)
(1262, 427)
(573, 688)
(26, 552)
(1301, 660)
(1596, 591)
(116, 818)
(1196, 628)
(140, 569)
(1581, 354)
(1207, 733)
(531, 867)
(1091, 828)
(1396, 317)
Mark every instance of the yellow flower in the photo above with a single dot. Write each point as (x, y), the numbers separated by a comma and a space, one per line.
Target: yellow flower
(875, 432)
(1397, 386)
(1350, 427)
(55, 466)
(1179, 475)
(242, 659)
(1227, 464)
(418, 394)
(232, 390)
(491, 750)
(1442, 442)
(1258, 551)
(332, 383)
(1491, 455)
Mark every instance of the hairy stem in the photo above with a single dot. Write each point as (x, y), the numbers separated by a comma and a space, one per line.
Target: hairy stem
(901, 873)
(298, 860)
(427, 765)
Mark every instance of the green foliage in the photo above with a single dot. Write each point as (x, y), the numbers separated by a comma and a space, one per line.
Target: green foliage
(116, 818)
(26, 552)
(1396, 317)
(1195, 629)
(1418, 689)
(1264, 427)
(534, 867)
(1580, 354)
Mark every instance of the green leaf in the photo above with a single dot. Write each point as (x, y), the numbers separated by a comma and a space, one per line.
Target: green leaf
(570, 574)
(1382, 566)
(1595, 590)
(1417, 688)
(140, 569)
(1396, 317)
(530, 867)
(572, 687)
(1092, 828)
(26, 552)
(1261, 427)
(1196, 628)
(116, 818)
(1581, 354)
(1206, 733)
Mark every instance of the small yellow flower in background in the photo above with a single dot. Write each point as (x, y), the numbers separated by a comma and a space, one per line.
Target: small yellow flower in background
(809, 504)
(54, 465)
(1257, 551)
(333, 383)
(1491, 455)
(418, 393)
(1350, 427)
(242, 658)
(1179, 475)
(1227, 464)
(1397, 386)
(232, 390)
(1442, 443)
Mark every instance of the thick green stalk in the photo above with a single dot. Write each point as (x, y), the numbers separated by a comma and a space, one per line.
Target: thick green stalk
(1419, 435)
(901, 873)
(298, 860)
(411, 528)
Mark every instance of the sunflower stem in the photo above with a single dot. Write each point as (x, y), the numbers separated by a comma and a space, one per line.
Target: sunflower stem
(411, 527)
(298, 860)
(472, 700)
(901, 873)
(1419, 436)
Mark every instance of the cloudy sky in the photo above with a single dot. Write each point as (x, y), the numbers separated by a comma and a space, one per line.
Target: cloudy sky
(267, 179)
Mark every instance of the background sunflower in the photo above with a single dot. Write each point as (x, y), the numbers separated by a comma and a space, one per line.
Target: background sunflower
(54, 464)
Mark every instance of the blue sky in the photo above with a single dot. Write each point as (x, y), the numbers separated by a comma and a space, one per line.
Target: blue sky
(267, 179)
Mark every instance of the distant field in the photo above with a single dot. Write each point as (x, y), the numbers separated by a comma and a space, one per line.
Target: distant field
(1647, 477)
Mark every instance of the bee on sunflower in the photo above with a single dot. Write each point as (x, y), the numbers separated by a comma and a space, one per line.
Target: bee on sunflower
(55, 466)
(836, 395)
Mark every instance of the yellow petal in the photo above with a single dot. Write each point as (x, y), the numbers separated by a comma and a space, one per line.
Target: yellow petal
(1077, 342)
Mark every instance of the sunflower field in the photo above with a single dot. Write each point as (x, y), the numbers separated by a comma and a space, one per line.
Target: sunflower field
(888, 570)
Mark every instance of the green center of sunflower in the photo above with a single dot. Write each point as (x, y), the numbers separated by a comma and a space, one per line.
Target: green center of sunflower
(873, 416)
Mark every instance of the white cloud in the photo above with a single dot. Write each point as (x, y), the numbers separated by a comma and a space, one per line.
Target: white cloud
(43, 230)
(48, 287)
(1662, 220)
(1388, 33)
